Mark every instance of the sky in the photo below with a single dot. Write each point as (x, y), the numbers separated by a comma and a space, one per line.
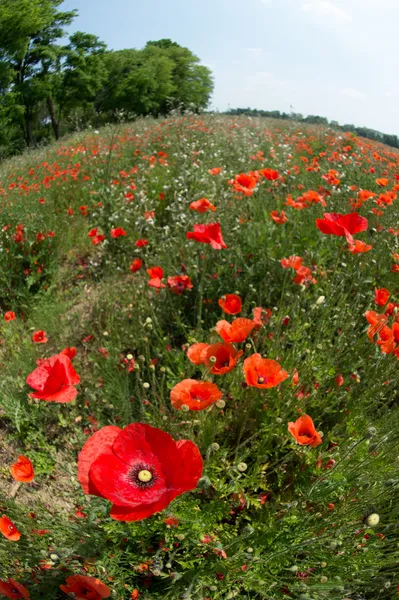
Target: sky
(334, 58)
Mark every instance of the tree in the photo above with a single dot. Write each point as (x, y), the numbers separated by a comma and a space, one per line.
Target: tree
(29, 30)
(193, 83)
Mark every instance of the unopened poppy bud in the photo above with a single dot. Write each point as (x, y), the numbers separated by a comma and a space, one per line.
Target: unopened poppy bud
(156, 572)
(129, 356)
(184, 408)
(220, 403)
(105, 333)
(323, 579)
(146, 385)
(250, 550)
(180, 536)
(371, 432)
(148, 320)
(294, 569)
(142, 358)
(373, 520)
(162, 369)
(320, 300)
(242, 466)
(323, 564)
(152, 367)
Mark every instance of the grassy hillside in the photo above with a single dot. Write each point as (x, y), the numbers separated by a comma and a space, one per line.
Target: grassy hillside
(95, 257)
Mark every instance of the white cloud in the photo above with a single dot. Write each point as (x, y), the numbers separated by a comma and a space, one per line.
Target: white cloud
(325, 8)
(266, 2)
(263, 74)
(352, 93)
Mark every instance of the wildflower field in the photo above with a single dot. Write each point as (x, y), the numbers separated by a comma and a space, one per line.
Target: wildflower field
(199, 383)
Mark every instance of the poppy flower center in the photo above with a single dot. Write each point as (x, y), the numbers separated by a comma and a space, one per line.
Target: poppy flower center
(144, 476)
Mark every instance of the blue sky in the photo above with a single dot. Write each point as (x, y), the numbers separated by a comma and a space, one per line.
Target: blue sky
(335, 58)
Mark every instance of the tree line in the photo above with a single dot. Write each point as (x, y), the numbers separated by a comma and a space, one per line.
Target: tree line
(51, 84)
(372, 134)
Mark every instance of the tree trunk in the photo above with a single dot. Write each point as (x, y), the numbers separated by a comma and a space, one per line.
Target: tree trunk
(55, 124)
(30, 140)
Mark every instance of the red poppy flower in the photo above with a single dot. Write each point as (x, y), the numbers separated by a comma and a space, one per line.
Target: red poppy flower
(93, 232)
(263, 372)
(69, 352)
(303, 430)
(136, 265)
(381, 296)
(22, 470)
(140, 469)
(215, 170)
(293, 262)
(54, 379)
(117, 232)
(382, 182)
(269, 174)
(197, 395)
(221, 358)
(156, 276)
(98, 239)
(208, 234)
(359, 247)
(142, 243)
(237, 331)
(14, 590)
(304, 275)
(10, 316)
(376, 322)
(197, 353)
(202, 205)
(84, 587)
(279, 218)
(261, 316)
(244, 183)
(8, 529)
(230, 304)
(179, 283)
(342, 225)
(40, 337)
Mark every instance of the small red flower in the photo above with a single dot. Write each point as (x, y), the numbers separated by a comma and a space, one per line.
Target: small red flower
(197, 395)
(179, 283)
(197, 353)
(237, 331)
(22, 470)
(142, 243)
(14, 590)
(202, 205)
(84, 587)
(39, 337)
(359, 247)
(54, 379)
(140, 469)
(303, 430)
(208, 234)
(230, 304)
(342, 225)
(279, 218)
(8, 529)
(10, 316)
(269, 174)
(221, 358)
(381, 296)
(263, 372)
(136, 265)
(117, 232)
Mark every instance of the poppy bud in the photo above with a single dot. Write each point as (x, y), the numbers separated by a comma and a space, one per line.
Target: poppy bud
(220, 403)
(242, 466)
